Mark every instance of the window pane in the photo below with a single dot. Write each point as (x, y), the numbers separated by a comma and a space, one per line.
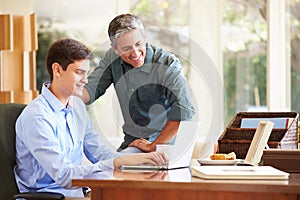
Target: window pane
(244, 34)
(294, 14)
(165, 27)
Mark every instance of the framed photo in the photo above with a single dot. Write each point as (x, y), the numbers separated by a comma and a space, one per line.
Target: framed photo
(259, 142)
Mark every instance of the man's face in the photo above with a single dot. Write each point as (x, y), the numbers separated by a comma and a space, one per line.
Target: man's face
(131, 47)
(75, 77)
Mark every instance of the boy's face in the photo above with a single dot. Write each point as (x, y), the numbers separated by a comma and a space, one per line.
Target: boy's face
(74, 78)
(131, 47)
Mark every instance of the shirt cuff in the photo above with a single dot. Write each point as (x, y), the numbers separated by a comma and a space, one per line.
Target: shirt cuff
(106, 164)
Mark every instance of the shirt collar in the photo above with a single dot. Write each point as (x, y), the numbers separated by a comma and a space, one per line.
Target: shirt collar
(53, 100)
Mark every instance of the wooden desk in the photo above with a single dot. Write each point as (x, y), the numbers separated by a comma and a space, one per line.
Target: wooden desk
(179, 185)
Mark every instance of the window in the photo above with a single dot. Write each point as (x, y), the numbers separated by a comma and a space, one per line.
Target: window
(293, 12)
(244, 34)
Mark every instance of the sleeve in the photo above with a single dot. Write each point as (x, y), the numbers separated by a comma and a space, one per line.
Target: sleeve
(178, 92)
(101, 77)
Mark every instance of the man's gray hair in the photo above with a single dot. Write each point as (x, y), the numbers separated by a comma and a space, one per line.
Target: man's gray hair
(123, 23)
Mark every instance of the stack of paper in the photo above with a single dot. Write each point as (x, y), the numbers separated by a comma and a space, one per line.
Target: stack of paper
(239, 172)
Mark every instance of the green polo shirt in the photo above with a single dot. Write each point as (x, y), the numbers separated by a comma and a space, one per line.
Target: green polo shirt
(148, 95)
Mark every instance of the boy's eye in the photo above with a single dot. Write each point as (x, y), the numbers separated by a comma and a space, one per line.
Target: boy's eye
(79, 72)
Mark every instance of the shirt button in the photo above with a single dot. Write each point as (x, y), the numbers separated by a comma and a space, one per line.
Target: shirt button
(132, 90)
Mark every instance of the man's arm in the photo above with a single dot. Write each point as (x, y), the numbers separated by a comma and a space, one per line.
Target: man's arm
(99, 79)
(168, 132)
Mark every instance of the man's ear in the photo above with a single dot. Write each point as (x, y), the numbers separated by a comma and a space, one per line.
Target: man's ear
(115, 48)
(56, 70)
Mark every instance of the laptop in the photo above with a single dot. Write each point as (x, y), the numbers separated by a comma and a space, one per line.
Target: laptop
(182, 150)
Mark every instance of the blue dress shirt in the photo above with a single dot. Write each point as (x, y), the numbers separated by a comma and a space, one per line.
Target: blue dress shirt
(51, 140)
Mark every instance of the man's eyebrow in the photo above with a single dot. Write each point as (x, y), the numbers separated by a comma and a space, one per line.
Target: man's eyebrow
(130, 46)
(126, 47)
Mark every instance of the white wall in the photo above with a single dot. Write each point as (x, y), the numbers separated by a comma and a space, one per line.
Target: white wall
(16, 7)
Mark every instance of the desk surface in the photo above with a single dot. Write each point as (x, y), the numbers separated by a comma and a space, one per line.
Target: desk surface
(181, 179)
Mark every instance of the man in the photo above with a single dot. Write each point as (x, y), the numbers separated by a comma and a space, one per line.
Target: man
(54, 132)
(151, 89)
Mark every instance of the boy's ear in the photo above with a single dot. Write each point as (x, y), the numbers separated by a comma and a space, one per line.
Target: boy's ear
(56, 70)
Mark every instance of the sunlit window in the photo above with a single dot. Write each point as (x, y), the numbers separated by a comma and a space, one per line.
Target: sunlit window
(244, 33)
(294, 14)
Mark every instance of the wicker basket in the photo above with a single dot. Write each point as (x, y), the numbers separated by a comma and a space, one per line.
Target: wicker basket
(238, 139)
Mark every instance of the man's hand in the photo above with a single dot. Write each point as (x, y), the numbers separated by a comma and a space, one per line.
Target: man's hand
(143, 145)
(153, 158)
